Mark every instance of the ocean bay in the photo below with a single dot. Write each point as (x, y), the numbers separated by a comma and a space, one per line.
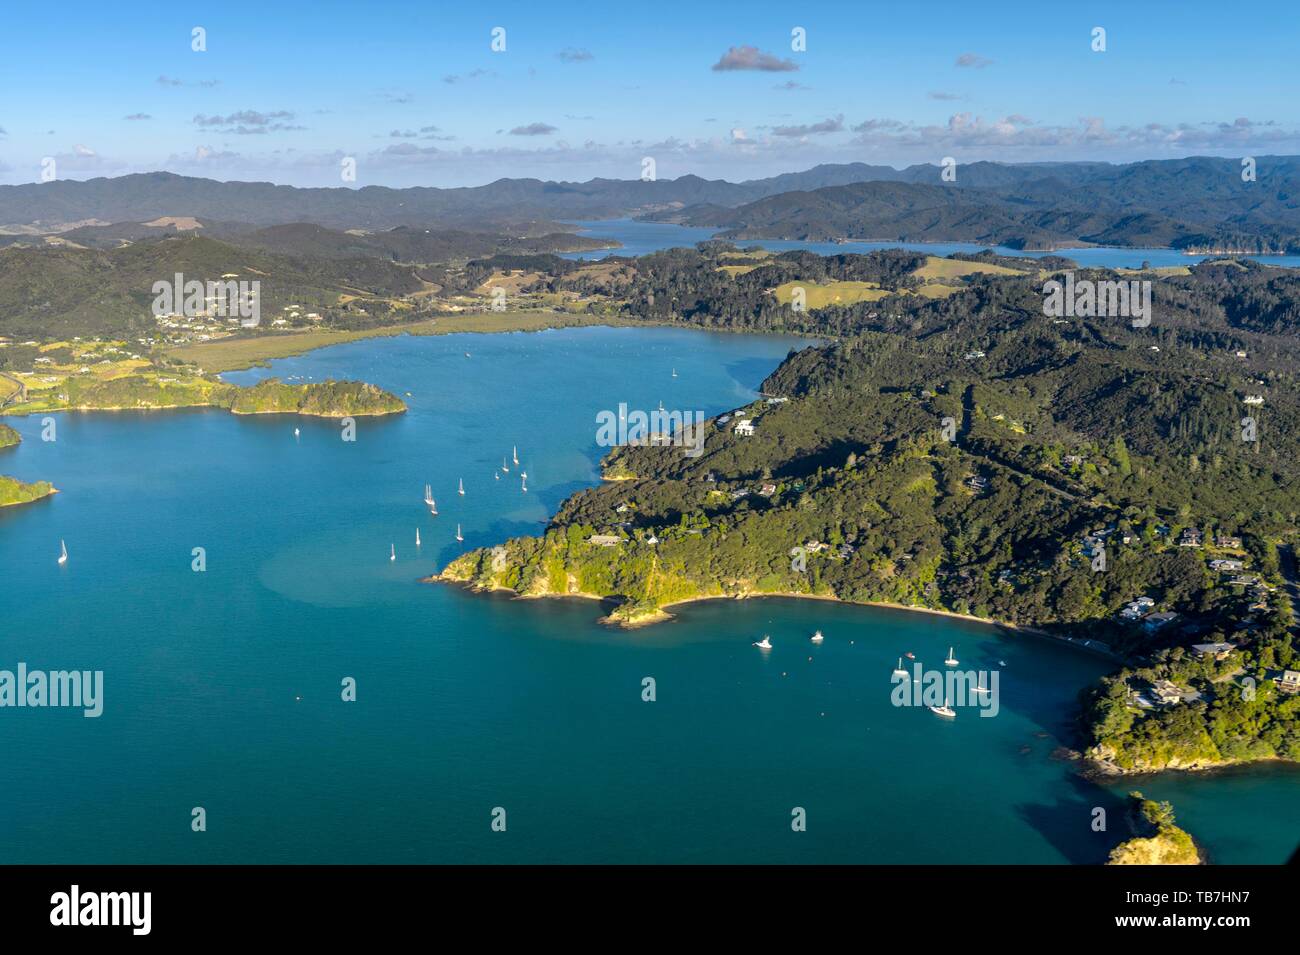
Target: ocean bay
(222, 688)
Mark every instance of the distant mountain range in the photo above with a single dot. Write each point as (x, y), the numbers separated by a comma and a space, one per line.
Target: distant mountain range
(1195, 203)
(1198, 204)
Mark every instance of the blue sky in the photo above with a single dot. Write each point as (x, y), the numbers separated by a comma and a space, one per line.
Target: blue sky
(415, 94)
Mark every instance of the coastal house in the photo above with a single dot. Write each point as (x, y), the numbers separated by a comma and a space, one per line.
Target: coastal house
(1073, 459)
(1156, 621)
(777, 401)
(1136, 609)
(1226, 564)
(814, 547)
(604, 540)
(1166, 693)
(1227, 543)
(744, 427)
(1219, 651)
(977, 483)
(1253, 400)
(1191, 538)
(767, 490)
(1240, 353)
(1289, 681)
(972, 355)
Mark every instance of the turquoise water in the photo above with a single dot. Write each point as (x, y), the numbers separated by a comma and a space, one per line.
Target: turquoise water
(641, 238)
(222, 688)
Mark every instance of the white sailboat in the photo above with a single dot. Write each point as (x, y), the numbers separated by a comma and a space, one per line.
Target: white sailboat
(458, 534)
(417, 537)
(504, 466)
(765, 643)
(392, 552)
(460, 488)
(524, 486)
(63, 552)
(817, 637)
(980, 687)
(951, 661)
(496, 475)
(514, 454)
(944, 710)
(674, 372)
(898, 670)
(295, 432)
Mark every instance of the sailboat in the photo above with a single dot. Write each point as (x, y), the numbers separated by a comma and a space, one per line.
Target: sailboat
(63, 552)
(765, 643)
(458, 534)
(524, 486)
(980, 687)
(428, 499)
(944, 710)
(460, 488)
(504, 467)
(496, 475)
(392, 552)
(417, 537)
(951, 661)
(514, 454)
(898, 670)
(817, 637)
(674, 372)
(295, 432)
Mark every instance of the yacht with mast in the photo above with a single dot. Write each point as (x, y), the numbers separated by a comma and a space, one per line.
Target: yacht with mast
(944, 710)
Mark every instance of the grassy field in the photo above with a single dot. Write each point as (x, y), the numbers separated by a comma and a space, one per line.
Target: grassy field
(234, 354)
(832, 293)
(937, 268)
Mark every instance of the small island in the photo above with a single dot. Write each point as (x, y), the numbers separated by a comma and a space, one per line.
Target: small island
(9, 438)
(13, 491)
(156, 390)
(1156, 840)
